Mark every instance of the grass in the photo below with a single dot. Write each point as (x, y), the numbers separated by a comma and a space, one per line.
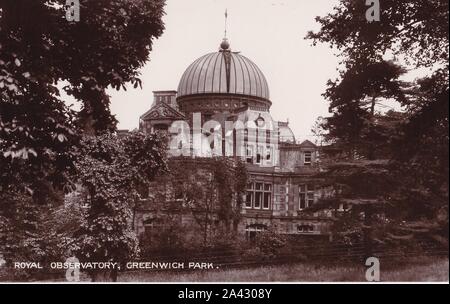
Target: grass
(415, 271)
(409, 270)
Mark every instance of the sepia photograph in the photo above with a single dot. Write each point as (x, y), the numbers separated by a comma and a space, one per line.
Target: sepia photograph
(224, 141)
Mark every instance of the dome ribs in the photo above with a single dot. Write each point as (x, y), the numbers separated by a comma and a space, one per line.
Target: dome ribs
(249, 76)
(224, 72)
(214, 73)
(220, 74)
(235, 77)
(255, 74)
(206, 72)
(185, 85)
(242, 74)
(199, 64)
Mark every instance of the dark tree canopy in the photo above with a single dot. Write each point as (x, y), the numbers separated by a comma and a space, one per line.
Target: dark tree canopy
(354, 99)
(396, 161)
(106, 48)
(44, 145)
(40, 48)
(416, 30)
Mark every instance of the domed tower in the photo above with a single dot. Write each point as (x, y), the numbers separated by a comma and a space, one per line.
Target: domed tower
(223, 82)
(226, 86)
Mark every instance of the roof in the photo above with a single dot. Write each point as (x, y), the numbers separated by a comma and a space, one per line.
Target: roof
(286, 134)
(162, 111)
(307, 144)
(223, 72)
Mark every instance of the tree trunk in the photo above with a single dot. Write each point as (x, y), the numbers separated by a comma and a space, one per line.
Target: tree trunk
(371, 154)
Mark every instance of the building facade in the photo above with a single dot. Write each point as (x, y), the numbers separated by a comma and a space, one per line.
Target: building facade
(222, 108)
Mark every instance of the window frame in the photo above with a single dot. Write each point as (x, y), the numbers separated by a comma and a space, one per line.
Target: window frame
(249, 154)
(307, 196)
(262, 191)
(301, 228)
(309, 162)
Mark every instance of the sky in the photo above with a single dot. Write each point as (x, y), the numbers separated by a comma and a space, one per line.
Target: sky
(269, 32)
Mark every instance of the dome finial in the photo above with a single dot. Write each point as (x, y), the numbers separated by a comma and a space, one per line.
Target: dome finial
(225, 45)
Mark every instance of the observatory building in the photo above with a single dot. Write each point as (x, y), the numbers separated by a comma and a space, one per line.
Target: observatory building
(225, 86)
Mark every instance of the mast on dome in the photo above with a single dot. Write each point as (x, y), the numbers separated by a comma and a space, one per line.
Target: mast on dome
(226, 22)
(225, 45)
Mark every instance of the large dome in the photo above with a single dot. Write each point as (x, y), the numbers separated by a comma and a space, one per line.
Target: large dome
(223, 72)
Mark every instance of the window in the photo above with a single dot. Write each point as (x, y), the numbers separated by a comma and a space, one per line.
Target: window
(248, 199)
(258, 155)
(257, 203)
(259, 196)
(251, 231)
(249, 154)
(266, 202)
(152, 227)
(306, 196)
(305, 228)
(249, 196)
(268, 153)
(302, 201)
(308, 158)
(343, 207)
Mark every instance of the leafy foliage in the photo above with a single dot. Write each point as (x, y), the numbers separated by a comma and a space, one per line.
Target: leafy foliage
(39, 134)
(39, 48)
(393, 172)
(270, 243)
(35, 233)
(112, 170)
(414, 30)
(208, 190)
(105, 48)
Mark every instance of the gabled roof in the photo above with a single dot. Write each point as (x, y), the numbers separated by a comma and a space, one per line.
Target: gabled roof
(162, 111)
(307, 144)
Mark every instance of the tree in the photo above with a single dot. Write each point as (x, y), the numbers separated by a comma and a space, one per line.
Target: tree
(353, 101)
(416, 31)
(40, 50)
(212, 191)
(381, 173)
(113, 170)
(105, 48)
(37, 233)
